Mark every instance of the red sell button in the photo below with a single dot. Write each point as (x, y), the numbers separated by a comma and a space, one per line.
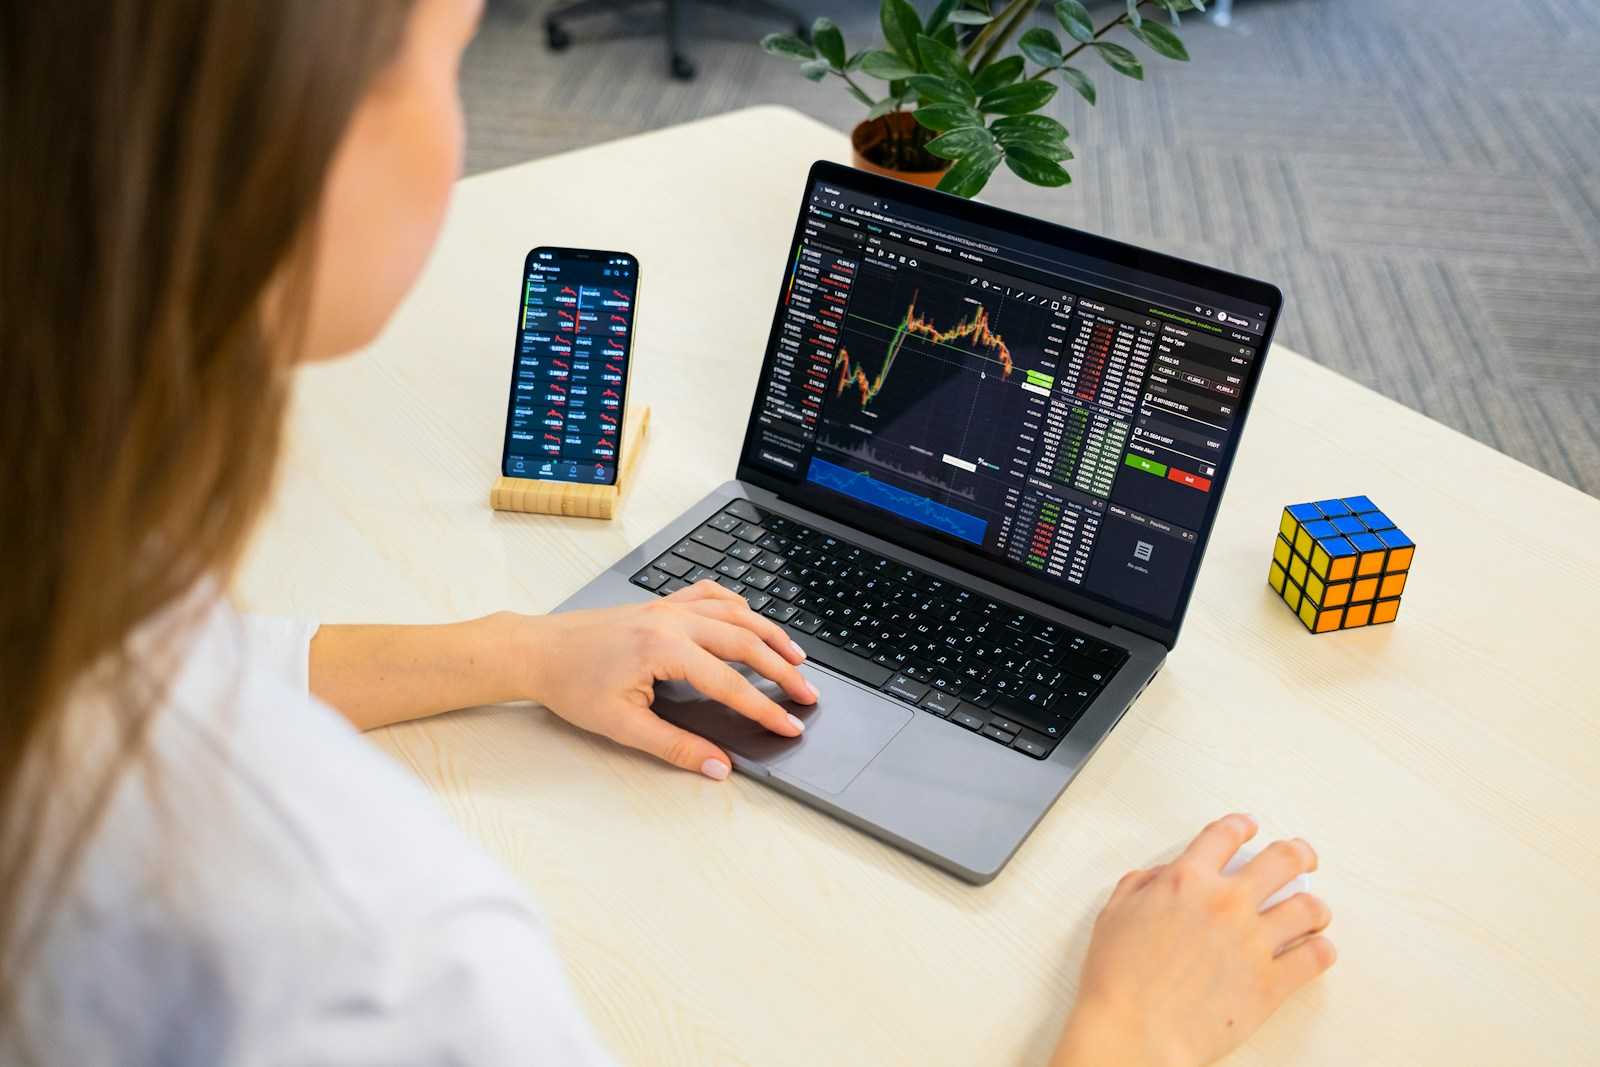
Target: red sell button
(1193, 481)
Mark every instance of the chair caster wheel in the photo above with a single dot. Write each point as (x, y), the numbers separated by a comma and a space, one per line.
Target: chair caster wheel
(556, 38)
(682, 69)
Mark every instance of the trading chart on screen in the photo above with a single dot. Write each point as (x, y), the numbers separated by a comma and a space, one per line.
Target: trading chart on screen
(1064, 417)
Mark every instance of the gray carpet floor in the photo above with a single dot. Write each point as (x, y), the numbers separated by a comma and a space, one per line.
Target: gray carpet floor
(1422, 178)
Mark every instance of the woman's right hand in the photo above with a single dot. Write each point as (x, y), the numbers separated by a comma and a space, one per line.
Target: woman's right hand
(1183, 966)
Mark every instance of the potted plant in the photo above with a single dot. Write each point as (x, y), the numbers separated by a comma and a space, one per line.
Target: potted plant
(959, 100)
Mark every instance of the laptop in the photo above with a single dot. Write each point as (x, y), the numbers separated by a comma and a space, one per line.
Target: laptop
(981, 464)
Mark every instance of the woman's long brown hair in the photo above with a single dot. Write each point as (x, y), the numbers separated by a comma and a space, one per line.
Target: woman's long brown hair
(161, 167)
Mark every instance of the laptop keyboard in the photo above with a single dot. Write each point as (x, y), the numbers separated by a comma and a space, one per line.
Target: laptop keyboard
(1009, 676)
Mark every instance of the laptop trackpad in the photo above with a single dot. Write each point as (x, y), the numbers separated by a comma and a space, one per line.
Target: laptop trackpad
(845, 728)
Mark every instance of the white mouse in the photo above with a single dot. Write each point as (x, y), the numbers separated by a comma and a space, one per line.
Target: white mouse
(1299, 884)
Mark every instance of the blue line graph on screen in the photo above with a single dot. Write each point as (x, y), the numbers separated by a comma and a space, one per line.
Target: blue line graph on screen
(901, 502)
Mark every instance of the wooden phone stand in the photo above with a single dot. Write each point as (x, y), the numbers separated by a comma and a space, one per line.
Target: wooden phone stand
(541, 497)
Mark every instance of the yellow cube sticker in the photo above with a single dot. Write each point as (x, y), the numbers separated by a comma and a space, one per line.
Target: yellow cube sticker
(1308, 614)
(1280, 551)
(1291, 596)
(1297, 569)
(1275, 578)
(1314, 588)
(1302, 542)
(1287, 525)
(1319, 560)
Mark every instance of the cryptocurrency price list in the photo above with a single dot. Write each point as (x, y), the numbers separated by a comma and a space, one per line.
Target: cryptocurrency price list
(571, 368)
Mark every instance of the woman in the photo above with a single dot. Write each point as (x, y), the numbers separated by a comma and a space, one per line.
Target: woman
(200, 860)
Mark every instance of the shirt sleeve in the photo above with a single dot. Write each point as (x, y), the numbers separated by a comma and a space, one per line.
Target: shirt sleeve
(282, 646)
(480, 984)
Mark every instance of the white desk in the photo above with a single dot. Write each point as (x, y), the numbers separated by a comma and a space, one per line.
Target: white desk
(1447, 767)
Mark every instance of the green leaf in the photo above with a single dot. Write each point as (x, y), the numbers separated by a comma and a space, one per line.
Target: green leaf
(829, 41)
(854, 62)
(1074, 18)
(947, 36)
(934, 90)
(1120, 59)
(788, 46)
(939, 58)
(1001, 72)
(961, 142)
(971, 173)
(939, 16)
(1162, 40)
(881, 108)
(1040, 146)
(1036, 168)
(942, 117)
(1017, 99)
(1079, 81)
(1041, 46)
(965, 17)
(816, 69)
(900, 29)
(860, 95)
(1034, 126)
(885, 65)
(1134, 18)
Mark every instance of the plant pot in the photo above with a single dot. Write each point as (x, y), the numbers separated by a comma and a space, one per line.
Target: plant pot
(897, 141)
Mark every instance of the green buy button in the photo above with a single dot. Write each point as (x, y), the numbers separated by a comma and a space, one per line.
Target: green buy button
(1149, 466)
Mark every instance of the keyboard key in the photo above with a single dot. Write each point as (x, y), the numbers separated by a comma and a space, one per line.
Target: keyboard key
(759, 579)
(769, 561)
(891, 659)
(906, 689)
(862, 670)
(1003, 736)
(918, 672)
(1005, 723)
(780, 612)
(732, 568)
(676, 566)
(967, 718)
(981, 695)
(651, 579)
(805, 622)
(712, 538)
(757, 601)
(784, 590)
(831, 633)
(744, 510)
(744, 552)
(673, 586)
(730, 584)
(942, 703)
(699, 574)
(1033, 744)
(700, 553)
(750, 532)
(724, 522)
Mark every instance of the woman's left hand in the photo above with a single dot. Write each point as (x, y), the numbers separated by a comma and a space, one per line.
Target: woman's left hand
(598, 669)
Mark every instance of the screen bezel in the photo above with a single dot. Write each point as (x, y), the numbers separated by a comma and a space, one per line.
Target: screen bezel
(581, 255)
(929, 543)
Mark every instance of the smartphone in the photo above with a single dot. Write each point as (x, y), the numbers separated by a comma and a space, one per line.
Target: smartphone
(570, 365)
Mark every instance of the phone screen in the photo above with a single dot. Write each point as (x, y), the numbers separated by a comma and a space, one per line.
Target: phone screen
(570, 371)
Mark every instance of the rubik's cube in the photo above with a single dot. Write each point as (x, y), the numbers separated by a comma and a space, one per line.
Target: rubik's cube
(1340, 564)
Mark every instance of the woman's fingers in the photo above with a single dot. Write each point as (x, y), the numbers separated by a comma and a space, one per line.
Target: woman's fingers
(1276, 865)
(704, 589)
(1131, 883)
(725, 685)
(642, 729)
(728, 641)
(1303, 962)
(1214, 846)
(1290, 920)
(738, 613)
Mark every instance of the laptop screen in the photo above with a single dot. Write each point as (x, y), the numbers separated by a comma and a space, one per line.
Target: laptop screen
(1039, 404)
